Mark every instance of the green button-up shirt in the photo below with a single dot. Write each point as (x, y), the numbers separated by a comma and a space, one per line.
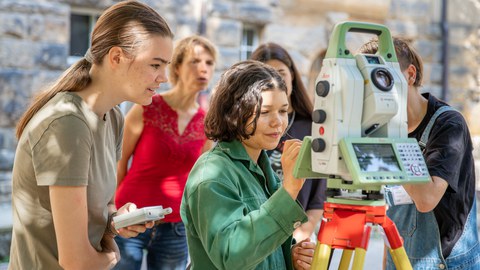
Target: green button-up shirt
(236, 214)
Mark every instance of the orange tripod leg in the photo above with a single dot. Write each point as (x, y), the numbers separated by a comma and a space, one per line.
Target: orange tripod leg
(396, 249)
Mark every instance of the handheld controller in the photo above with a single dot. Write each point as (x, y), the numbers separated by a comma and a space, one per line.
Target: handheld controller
(140, 216)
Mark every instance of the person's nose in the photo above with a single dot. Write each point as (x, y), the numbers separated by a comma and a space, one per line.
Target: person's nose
(162, 77)
(276, 120)
(203, 67)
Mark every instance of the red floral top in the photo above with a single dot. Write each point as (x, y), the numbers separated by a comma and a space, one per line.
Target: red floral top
(162, 159)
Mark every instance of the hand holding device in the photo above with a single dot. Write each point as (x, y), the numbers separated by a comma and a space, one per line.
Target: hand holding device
(141, 216)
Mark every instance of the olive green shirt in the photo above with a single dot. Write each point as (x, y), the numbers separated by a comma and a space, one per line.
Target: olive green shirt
(236, 214)
(64, 144)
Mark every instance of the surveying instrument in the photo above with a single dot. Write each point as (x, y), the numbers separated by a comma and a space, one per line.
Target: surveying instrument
(359, 143)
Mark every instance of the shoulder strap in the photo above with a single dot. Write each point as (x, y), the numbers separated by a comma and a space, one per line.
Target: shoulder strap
(426, 132)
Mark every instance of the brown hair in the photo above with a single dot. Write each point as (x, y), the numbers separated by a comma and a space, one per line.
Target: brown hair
(126, 25)
(185, 46)
(236, 97)
(301, 103)
(406, 55)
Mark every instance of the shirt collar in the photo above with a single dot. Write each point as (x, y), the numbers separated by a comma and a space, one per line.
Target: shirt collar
(236, 150)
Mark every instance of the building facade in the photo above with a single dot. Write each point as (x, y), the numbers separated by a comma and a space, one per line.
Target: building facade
(39, 39)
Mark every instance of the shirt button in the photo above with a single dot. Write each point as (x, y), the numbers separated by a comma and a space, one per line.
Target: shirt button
(441, 266)
(297, 224)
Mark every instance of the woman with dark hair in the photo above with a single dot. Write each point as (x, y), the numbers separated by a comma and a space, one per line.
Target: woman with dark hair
(164, 140)
(312, 195)
(236, 212)
(64, 175)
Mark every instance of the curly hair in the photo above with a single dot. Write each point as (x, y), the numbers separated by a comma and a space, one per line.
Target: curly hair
(237, 97)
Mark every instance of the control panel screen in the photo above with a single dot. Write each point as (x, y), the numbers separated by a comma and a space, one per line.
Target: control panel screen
(376, 157)
(372, 59)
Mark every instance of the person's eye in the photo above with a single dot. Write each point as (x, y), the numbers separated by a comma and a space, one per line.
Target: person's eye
(210, 63)
(284, 111)
(156, 66)
(264, 112)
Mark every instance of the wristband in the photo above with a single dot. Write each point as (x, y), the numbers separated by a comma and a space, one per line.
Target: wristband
(110, 229)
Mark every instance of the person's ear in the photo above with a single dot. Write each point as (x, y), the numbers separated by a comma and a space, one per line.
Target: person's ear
(412, 74)
(115, 55)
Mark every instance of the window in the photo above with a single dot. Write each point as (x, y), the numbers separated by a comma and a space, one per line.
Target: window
(250, 37)
(81, 25)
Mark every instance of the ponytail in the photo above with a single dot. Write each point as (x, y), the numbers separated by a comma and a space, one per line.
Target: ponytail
(74, 79)
(125, 24)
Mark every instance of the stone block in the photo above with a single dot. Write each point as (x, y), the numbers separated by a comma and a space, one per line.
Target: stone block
(7, 138)
(436, 71)
(52, 56)
(97, 4)
(219, 8)
(13, 25)
(430, 31)
(17, 53)
(458, 33)
(15, 91)
(459, 75)
(5, 241)
(414, 10)
(42, 20)
(56, 29)
(228, 57)
(6, 182)
(36, 26)
(404, 28)
(185, 28)
(463, 12)
(429, 50)
(306, 40)
(254, 13)
(224, 32)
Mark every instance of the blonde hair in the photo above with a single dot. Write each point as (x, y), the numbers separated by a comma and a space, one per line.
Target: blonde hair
(126, 25)
(185, 46)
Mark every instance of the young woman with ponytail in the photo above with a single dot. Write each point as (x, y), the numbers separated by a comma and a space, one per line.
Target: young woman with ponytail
(70, 138)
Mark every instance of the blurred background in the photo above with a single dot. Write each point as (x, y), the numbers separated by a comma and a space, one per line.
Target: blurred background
(39, 39)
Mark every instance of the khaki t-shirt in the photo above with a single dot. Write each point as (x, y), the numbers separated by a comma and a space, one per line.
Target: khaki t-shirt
(64, 144)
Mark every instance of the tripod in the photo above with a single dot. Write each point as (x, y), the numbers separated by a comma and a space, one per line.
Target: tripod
(347, 227)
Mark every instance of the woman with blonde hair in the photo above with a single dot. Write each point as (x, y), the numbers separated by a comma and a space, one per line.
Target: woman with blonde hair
(165, 139)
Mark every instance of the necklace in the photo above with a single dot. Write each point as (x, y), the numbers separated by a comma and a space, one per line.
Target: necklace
(290, 125)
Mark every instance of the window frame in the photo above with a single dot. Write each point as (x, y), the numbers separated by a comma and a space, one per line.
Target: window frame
(245, 48)
(92, 15)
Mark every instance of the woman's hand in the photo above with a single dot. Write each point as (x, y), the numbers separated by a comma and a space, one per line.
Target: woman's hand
(291, 184)
(302, 254)
(133, 230)
(109, 246)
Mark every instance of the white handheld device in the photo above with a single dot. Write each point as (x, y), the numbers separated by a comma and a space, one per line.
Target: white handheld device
(141, 216)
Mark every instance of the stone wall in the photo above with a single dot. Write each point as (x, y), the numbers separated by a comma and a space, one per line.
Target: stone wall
(34, 40)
